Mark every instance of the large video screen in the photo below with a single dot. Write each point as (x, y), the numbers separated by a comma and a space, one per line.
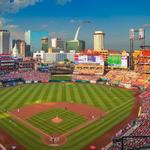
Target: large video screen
(118, 61)
(89, 59)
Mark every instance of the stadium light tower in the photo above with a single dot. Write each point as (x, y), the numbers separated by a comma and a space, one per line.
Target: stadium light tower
(133, 37)
(145, 46)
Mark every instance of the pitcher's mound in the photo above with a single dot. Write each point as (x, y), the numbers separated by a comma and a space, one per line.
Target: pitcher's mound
(56, 120)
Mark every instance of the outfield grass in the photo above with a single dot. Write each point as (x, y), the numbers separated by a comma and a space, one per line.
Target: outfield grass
(116, 102)
(43, 121)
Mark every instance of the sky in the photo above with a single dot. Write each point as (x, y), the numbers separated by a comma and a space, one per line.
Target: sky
(62, 17)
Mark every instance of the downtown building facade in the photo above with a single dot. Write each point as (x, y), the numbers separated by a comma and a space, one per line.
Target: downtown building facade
(34, 41)
(21, 46)
(75, 45)
(4, 42)
(99, 40)
(53, 57)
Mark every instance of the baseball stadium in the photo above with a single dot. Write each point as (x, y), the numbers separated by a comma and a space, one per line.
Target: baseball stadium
(96, 107)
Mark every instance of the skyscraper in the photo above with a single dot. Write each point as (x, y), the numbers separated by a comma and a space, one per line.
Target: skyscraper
(57, 43)
(44, 42)
(99, 40)
(20, 46)
(4, 41)
(33, 38)
(76, 45)
(28, 37)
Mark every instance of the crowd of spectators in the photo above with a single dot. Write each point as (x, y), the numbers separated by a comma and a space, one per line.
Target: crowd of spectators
(85, 77)
(27, 76)
(88, 69)
(123, 77)
(140, 135)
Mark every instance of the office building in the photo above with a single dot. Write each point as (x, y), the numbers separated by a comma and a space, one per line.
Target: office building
(52, 57)
(4, 42)
(44, 42)
(15, 51)
(99, 40)
(75, 45)
(57, 43)
(21, 46)
(33, 38)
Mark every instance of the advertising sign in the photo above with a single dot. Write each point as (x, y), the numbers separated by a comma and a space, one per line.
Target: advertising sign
(89, 59)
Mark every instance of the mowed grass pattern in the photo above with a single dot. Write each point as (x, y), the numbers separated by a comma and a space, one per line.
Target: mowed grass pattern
(116, 102)
(69, 120)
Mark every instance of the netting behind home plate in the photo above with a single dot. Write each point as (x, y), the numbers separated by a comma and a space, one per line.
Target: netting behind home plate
(132, 142)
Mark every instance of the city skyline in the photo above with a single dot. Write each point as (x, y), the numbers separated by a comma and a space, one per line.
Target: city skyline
(62, 17)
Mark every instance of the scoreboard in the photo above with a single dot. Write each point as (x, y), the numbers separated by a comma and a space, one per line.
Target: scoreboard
(118, 61)
(88, 59)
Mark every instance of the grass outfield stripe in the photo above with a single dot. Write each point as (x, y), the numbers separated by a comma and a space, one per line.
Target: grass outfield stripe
(59, 94)
(28, 100)
(68, 93)
(63, 89)
(45, 96)
(114, 96)
(52, 88)
(75, 92)
(10, 93)
(101, 101)
(54, 93)
(17, 97)
(20, 100)
(35, 94)
(120, 93)
(84, 94)
(5, 91)
(92, 95)
(43, 91)
(52, 96)
(72, 94)
(107, 98)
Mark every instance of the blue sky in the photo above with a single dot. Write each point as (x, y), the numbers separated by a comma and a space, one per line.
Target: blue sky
(61, 18)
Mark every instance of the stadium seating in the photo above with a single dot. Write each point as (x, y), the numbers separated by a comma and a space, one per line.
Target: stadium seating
(140, 136)
(27, 76)
(128, 77)
(85, 77)
(88, 69)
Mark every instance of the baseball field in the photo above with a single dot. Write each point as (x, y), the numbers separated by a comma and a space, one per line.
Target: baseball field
(114, 102)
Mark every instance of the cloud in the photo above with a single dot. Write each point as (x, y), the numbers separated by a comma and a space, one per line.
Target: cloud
(13, 6)
(16, 32)
(6, 23)
(63, 2)
(12, 26)
(75, 21)
(45, 26)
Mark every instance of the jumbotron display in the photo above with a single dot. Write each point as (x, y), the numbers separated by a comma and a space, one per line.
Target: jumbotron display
(89, 59)
(118, 61)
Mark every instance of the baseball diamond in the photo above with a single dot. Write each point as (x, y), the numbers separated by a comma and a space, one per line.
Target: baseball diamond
(85, 112)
